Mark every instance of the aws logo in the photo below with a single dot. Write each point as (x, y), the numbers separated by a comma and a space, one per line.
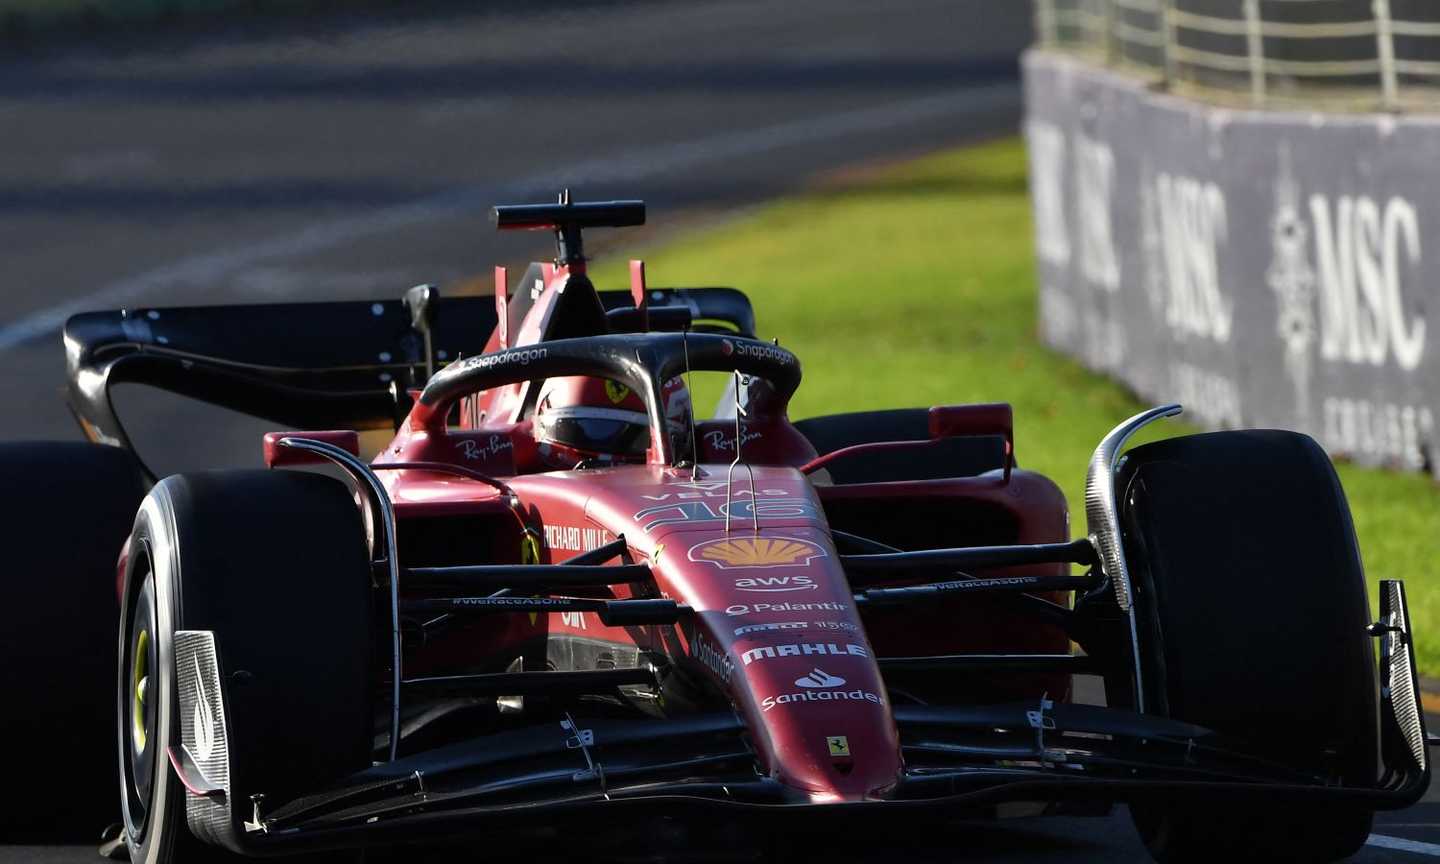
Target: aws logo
(745, 552)
(776, 583)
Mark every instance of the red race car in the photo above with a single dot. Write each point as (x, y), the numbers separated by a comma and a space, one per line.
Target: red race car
(557, 597)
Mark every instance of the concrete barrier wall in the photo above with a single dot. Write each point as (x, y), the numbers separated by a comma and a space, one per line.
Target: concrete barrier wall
(1266, 269)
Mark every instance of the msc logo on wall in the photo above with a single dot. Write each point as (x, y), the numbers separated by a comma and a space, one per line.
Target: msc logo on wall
(1348, 258)
(1092, 166)
(1345, 271)
(1184, 229)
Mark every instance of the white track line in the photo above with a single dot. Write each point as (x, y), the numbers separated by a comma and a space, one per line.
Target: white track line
(1400, 844)
(205, 269)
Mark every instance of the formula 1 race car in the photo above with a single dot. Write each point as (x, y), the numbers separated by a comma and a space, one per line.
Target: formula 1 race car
(556, 597)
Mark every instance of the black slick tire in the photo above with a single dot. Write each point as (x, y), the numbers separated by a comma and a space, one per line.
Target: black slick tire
(275, 565)
(1252, 611)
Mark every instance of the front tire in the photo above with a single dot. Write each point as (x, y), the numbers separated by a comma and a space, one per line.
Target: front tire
(1251, 605)
(274, 564)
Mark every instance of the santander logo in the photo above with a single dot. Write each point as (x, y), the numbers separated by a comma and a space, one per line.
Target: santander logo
(820, 686)
(819, 678)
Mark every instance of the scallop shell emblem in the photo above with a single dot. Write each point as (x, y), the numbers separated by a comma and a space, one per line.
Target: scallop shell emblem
(729, 553)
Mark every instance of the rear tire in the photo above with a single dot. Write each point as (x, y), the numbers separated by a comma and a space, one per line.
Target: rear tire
(275, 565)
(1252, 611)
(68, 508)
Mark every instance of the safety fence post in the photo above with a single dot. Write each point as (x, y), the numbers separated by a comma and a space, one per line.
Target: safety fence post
(1385, 51)
(1046, 25)
(1255, 47)
(1167, 30)
(1112, 44)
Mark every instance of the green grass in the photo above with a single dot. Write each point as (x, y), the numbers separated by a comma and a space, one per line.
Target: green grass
(915, 286)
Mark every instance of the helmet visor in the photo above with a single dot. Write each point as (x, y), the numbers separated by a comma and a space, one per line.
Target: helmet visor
(598, 430)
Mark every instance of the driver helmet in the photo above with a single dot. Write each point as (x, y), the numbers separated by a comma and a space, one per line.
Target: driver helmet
(584, 419)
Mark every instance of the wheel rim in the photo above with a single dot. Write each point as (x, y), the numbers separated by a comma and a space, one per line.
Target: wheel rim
(140, 696)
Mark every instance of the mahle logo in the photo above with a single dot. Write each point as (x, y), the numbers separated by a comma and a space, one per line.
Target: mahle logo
(803, 649)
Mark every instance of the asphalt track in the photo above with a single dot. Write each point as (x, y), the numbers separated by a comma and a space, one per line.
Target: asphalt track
(353, 157)
(358, 156)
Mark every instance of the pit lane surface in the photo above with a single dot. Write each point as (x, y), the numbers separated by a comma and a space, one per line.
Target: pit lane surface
(354, 157)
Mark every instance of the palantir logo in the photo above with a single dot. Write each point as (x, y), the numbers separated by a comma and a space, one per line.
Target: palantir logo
(820, 679)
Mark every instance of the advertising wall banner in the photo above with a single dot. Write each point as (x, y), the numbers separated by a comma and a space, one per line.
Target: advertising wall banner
(1265, 269)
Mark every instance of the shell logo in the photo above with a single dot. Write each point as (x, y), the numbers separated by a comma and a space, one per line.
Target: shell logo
(731, 553)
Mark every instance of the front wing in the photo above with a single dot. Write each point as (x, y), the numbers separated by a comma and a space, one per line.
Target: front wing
(957, 759)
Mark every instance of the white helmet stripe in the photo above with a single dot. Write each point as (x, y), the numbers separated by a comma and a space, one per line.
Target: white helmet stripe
(589, 412)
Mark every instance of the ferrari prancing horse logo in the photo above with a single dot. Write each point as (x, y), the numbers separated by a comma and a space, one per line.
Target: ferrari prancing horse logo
(616, 391)
(741, 552)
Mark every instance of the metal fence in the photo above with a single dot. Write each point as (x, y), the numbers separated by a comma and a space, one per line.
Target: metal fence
(1361, 54)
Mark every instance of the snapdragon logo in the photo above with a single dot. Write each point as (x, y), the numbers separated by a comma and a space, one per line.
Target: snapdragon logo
(759, 351)
(514, 357)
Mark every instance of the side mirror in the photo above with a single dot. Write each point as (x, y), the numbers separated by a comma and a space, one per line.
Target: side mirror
(421, 301)
(279, 457)
(989, 418)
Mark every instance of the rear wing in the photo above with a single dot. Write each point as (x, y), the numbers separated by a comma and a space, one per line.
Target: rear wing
(345, 364)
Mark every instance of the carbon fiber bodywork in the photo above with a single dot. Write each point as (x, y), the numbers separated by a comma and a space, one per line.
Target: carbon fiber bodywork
(203, 733)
